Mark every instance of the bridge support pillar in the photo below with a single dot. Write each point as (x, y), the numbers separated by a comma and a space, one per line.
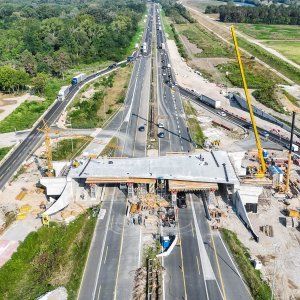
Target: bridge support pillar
(174, 198)
(130, 192)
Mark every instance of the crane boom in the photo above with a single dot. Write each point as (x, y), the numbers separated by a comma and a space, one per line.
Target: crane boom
(258, 144)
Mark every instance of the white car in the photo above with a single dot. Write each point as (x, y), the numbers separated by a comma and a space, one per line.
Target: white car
(160, 125)
(221, 113)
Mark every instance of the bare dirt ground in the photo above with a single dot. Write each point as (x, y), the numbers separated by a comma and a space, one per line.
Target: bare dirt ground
(223, 32)
(19, 229)
(191, 48)
(186, 77)
(9, 103)
(210, 65)
(284, 246)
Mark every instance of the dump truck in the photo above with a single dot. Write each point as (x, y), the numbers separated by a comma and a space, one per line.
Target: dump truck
(63, 92)
(77, 79)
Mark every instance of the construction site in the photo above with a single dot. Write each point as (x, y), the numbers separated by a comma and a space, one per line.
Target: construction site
(254, 192)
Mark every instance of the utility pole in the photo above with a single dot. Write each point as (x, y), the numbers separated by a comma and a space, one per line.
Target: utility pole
(287, 183)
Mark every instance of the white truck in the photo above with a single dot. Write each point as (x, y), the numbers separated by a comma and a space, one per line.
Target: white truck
(77, 79)
(163, 46)
(145, 48)
(63, 92)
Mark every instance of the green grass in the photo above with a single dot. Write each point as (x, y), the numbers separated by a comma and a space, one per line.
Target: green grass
(111, 148)
(180, 46)
(259, 289)
(196, 132)
(64, 151)
(270, 32)
(107, 95)
(210, 45)
(273, 61)
(201, 5)
(4, 151)
(137, 36)
(255, 75)
(290, 49)
(48, 258)
(21, 171)
(292, 99)
(167, 26)
(267, 96)
(256, 79)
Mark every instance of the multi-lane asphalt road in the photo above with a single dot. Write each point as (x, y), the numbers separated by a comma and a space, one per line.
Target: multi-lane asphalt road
(170, 109)
(35, 138)
(116, 249)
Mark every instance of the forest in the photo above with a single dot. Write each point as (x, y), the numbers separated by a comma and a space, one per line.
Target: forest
(273, 14)
(45, 37)
(176, 11)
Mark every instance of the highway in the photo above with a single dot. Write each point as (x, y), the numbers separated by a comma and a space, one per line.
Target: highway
(170, 109)
(116, 249)
(35, 138)
(191, 270)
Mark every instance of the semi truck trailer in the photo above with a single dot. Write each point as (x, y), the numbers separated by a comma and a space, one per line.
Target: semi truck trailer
(63, 92)
(77, 79)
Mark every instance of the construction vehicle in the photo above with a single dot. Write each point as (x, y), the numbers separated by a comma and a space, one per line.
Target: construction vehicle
(261, 172)
(46, 130)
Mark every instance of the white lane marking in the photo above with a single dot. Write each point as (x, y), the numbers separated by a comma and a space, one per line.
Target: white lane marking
(130, 108)
(105, 254)
(99, 293)
(234, 264)
(103, 245)
(198, 265)
(207, 268)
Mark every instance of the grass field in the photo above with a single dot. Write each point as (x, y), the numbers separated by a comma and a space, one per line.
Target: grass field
(201, 5)
(69, 148)
(210, 45)
(196, 132)
(106, 96)
(48, 258)
(166, 22)
(270, 32)
(259, 289)
(256, 79)
(4, 151)
(272, 60)
(290, 49)
(111, 148)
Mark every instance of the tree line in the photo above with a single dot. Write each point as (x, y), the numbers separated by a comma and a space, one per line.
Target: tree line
(273, 14)
(176, 11)
(48, 37)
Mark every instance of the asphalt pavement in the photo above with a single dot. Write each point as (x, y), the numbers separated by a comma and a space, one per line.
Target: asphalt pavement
(118, 255)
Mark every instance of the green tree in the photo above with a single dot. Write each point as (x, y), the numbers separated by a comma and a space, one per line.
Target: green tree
(11, 79)
(29, 62)
(39, 83)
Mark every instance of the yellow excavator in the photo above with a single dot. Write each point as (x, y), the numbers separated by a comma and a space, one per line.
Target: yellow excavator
(262, 170)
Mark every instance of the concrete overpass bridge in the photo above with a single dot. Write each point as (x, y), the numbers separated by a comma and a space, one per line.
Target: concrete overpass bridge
(165, 175)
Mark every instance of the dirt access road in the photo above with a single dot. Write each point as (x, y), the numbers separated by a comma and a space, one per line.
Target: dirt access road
(223, 32)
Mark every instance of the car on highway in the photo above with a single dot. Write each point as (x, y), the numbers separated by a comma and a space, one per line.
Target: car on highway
(161, 135)
(160, 125)
(142, 128)
(265, 134)
(112, 66)
(181, 200)
(221, 113)
(247, 126)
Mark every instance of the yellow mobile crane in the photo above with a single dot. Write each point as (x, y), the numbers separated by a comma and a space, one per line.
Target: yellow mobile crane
(263, 168)
(46, 130)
